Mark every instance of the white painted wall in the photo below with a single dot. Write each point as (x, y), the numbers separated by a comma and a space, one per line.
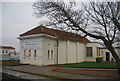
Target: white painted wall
(81, 54)
(104, 50)
(94, 50)
(62, 52)
(9, 51)
(31, 60)
(49, 44)
(72, 52)
(68, 51)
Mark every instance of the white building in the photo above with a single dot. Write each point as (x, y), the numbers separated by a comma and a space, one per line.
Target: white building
(6, 52)
(107, 56)
(44, 46)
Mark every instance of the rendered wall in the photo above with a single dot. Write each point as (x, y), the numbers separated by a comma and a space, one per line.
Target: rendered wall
(31, 60)
(62, 52)
(49, 44)
(72, 52)
(81, 54)
(95, 47)
(106, 50)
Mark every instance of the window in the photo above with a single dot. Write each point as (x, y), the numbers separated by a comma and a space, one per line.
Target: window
(24, 53)
(48, 54)
(89, 51)
(2, 51)
(51, 54)
(29, 53)
(35, 53)
(6, 51)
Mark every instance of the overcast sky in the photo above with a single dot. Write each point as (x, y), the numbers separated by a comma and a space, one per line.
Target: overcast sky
(17, 18)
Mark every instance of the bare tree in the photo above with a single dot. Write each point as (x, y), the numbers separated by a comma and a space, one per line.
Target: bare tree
(94, 20)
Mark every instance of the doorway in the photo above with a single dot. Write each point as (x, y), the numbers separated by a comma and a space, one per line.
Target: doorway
(107, 56)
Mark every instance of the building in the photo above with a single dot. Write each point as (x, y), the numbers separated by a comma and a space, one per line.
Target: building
(44, 46)
(107, 56)
(6, 51)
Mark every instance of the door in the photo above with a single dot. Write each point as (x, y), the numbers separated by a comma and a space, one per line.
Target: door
(107, 56)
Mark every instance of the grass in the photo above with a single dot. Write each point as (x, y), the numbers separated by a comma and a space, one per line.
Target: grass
(89, 64)
(57, 79)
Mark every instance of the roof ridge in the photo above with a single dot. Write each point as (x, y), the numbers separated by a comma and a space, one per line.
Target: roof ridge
(63, 31)
(55, 32)
(7, 47)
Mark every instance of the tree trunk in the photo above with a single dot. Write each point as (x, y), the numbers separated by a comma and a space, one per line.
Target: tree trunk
(114, 54)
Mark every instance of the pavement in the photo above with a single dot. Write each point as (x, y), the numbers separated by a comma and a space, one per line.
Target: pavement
(21, 75)
(47, 71)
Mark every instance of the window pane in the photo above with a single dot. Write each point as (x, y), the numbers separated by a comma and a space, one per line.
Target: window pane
(2, 51)
(89, 51)
(34, 53)
(6, 51)
(51, 54)
(48, 54)
(29, 53)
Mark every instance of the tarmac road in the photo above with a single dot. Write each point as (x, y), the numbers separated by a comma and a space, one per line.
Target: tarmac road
(11, 77)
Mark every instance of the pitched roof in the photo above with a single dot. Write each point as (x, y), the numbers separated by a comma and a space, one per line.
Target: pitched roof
(57, 33)
(7, 47)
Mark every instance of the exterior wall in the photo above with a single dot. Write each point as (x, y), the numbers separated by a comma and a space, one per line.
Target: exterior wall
(118, 51)
(22, 59)
(81, 52)
(68, 51)
(49, 44)
(6, 51)
(72, 52)
(104, 50)
(62, 52)
(24, 45)
(95, 49)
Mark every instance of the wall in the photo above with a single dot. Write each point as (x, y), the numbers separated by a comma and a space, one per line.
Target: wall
(49, 44)
(68, 51)
(26, 44)
(104, 50)
(94, 50)
(81, 54)
(7, 54)
(62, 52)
(71, 51)
(9, 51)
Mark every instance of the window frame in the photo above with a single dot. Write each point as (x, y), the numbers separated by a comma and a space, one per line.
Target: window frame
(51, 54)
(48, 54)
(29, 53)
(89, 53)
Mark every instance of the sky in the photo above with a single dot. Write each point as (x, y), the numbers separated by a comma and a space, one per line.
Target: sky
(16, 18)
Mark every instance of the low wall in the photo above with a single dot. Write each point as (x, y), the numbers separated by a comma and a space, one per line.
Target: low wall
(10, 62)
